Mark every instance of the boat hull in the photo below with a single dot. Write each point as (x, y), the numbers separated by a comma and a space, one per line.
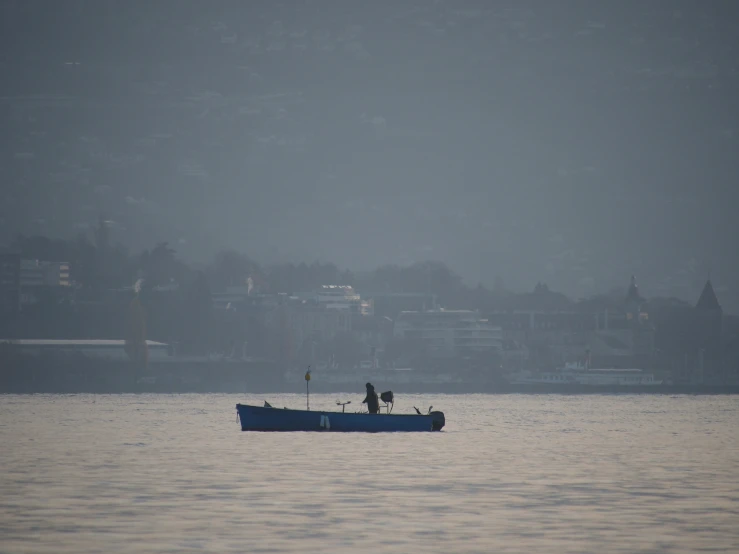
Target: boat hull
(257, 418)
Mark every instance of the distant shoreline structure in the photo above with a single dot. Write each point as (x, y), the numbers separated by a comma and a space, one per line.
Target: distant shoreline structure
(102, 367)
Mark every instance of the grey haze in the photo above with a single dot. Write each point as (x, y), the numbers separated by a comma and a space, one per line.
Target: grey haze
(569, 142)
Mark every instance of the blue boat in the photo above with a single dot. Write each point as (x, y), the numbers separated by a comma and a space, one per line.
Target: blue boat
(265, 418)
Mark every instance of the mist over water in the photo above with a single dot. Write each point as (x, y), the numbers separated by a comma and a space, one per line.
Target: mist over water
(517, 473)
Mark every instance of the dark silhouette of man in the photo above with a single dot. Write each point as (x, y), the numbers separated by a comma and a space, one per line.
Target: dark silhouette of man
(373, 404)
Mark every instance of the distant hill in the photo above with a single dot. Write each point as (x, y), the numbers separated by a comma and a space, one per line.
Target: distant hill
(574, 143)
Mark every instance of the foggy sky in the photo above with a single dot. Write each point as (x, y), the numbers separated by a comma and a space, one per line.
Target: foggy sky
(568, 142)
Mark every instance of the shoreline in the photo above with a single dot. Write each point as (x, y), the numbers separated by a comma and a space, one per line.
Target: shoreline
(417, 388)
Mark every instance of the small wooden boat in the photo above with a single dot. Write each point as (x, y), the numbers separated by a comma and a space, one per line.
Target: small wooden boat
(265, 418)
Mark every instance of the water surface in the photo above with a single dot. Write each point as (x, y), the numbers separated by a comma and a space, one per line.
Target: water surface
(516, 473)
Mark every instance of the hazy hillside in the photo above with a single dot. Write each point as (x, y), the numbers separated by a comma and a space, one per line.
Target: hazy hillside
(567, 142)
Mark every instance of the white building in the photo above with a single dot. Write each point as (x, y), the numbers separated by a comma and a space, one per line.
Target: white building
(37, 273)
(338, 297)
(449, 333)
(100, 349)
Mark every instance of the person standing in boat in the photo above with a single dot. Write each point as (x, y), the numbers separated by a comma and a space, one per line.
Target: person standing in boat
(373, 404)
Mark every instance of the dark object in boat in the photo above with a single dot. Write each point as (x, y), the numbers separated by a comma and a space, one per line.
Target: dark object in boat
(389, 400)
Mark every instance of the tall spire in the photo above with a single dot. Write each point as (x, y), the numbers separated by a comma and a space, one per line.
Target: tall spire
(633, 292)
(708, 302)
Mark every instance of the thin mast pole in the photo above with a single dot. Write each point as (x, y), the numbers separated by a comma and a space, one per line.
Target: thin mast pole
(307, 389)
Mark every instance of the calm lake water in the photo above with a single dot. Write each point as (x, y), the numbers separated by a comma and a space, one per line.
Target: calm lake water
(160, 473)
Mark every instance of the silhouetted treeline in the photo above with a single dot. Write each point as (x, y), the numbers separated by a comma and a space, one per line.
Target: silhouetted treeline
(177, 297)
(97, 265)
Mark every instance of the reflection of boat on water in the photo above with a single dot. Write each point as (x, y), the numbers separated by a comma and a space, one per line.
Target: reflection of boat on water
(579, 374)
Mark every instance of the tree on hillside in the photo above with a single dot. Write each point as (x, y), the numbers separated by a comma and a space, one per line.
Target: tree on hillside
(42, 248)
(161, 266)
(540, 299)
(430, 277)
(302, 277)
(231, 269)
(91, 265)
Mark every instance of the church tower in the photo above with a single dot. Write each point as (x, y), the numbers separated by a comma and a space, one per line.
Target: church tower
(635, 305)
(709, 318)
(637, 318)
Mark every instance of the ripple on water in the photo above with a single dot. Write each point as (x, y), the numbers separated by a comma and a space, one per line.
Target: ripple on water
(511, 473)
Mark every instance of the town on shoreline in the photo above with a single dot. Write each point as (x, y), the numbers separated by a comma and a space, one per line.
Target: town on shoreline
(86, 316)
